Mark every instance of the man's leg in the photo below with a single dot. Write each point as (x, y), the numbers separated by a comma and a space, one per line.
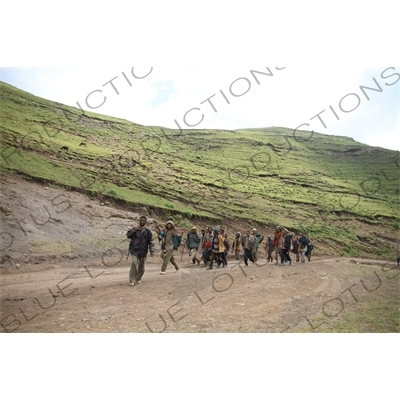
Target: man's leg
(282, 257)
(133, 270)
(173, 262)
(276, 255)
(196, 258)
(246, 257)
(222, 258)
(288, 257)
(212, 258)
(140, 271)
(166, 260)
(251, 256)
(206, 257)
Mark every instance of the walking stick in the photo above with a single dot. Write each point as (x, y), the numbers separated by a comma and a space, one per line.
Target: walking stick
(183, 244)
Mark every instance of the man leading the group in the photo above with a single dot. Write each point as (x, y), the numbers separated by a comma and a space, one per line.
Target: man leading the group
(141, 242)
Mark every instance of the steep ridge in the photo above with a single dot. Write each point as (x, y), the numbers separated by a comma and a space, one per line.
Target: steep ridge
(344, 194)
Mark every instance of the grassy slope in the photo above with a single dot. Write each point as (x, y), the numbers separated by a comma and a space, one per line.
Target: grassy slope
(332, 187)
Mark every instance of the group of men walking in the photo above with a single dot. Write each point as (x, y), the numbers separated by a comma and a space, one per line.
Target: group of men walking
(211, 246)
(283, 244)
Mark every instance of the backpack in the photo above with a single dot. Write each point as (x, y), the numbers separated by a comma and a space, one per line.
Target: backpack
(227, 245)
(288, 242)
(177, 241)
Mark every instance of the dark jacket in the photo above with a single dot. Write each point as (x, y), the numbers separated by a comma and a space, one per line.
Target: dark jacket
(296, 245)
(270, 244)
(193, 240)
(141, 242)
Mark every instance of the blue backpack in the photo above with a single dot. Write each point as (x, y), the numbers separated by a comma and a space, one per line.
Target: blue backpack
(177, 240)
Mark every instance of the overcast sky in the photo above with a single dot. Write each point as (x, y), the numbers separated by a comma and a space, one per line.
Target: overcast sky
(280, 96)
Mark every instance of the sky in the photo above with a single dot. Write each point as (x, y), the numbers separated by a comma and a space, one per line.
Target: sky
(329, 100)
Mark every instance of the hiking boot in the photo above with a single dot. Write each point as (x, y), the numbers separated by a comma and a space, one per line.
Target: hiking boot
(132, 284)
(209, 267)
(177, 269)
(163, 273)
(139, 282)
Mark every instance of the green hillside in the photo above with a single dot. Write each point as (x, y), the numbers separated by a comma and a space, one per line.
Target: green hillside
(343, 193)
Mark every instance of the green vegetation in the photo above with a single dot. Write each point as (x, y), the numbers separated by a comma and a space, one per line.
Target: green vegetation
(337, 190)
(374, 316)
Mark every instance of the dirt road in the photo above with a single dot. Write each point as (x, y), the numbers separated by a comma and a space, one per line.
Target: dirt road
(63, 268)
(87, 297)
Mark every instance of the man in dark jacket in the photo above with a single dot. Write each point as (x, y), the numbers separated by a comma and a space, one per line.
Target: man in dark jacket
(296, 245)
(193, 243)
(310, 248)
(141, 242)
(304, 242)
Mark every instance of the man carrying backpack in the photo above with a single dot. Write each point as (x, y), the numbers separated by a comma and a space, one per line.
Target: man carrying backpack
(310, 248)
(193, 243)
(304, 242)
(259, 239)
(171, 240)
(141, 242)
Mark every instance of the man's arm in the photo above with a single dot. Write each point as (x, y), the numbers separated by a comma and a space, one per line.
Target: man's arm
(151, 243)
(130, 233)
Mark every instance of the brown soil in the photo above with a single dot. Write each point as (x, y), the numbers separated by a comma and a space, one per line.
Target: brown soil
(65, 270)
